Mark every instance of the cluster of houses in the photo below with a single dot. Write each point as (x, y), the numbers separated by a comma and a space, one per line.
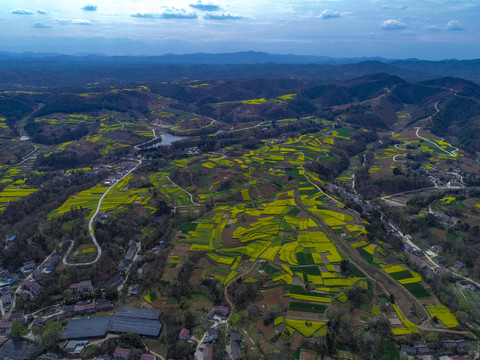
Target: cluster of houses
(366, 207)
(123, 354)
(218, 313)
(192, 150)
(74, 347)
(413, 256)
(455, 180)
(87, 307)
(30, 288)
(118, 172)
(448, 219)
(8, 318)
(421, 350)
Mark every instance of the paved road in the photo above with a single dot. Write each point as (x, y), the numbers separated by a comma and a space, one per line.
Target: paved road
(90, 224)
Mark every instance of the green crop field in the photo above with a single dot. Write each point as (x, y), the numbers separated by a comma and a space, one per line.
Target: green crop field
(307, 307)
(418, 290)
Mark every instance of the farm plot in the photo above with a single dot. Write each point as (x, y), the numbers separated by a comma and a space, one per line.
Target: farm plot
(407, 328)
(12, 193)
(121, 195)
(417, 290)
(305, 327)
(117, 198)
(169, 190)
(443, 314)
(402, 274)
(266, 233)
(87, 199)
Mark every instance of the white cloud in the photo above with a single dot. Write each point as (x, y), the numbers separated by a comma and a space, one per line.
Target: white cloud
(42, 12)
(146, 15)
(73, 21)
(90, 7)
(21, 12)
(329, 14)
(453, 25)
(205, 6)
(222, 16)
(171, 13)
(174, 13)
(392, 24)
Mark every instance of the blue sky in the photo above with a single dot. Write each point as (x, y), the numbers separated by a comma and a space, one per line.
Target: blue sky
(427, 29)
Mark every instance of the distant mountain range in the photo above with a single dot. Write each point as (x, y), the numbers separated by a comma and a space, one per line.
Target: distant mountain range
(34, 68)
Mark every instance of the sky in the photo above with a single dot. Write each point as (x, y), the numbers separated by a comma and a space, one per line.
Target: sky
(395, 29)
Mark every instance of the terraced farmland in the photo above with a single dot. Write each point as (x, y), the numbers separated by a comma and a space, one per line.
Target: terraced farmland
(13, 193)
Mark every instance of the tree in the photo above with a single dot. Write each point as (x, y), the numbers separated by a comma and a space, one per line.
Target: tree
(111, 294)
(345, 267)
(18, 330)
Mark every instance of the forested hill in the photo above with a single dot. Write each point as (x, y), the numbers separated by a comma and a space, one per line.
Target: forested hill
(61, 70)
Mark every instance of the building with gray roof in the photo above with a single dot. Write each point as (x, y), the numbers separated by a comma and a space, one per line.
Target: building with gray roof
(143, 322)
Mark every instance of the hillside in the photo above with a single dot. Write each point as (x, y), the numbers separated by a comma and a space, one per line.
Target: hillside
(305, 216)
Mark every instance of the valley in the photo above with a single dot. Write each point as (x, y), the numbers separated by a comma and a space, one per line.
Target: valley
(328, 219)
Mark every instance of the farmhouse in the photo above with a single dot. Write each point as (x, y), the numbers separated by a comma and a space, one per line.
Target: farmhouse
(208, 353)
(135, 289)
(5, 328)
(121, 353)
(437, 249)
(236, 354)
(114, 281)
(184, 334)
(417, 261)
(83, 286)
(84, 309)
(148, 357)
(212, 335)
(222, 311)
(131, 252)
(28, 267)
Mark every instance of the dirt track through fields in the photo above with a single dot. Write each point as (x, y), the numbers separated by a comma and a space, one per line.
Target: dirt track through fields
(403, 298)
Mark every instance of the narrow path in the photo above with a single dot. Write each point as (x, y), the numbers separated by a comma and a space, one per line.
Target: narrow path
(121, 123)
(263, 123)
(90, 223)
(450, 153)
(318, 187)
(191, 196)
(155, 137)
(25, 158)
